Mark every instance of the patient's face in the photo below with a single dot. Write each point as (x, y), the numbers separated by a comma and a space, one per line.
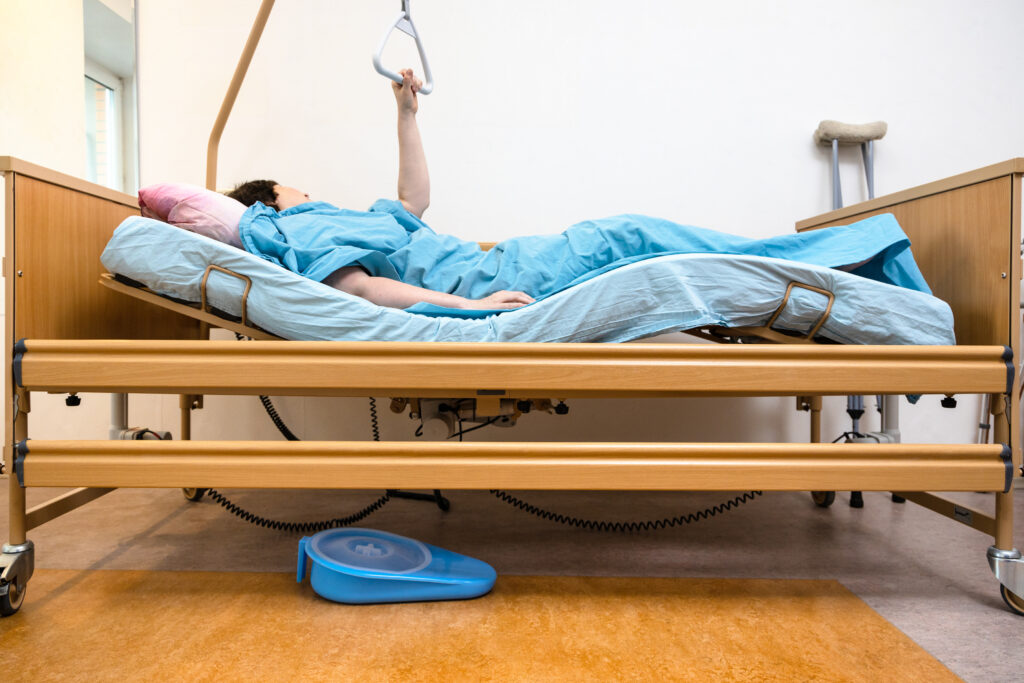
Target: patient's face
(287, 197)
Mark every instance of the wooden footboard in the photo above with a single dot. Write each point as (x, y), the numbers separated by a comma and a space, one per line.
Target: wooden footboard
(966, 237)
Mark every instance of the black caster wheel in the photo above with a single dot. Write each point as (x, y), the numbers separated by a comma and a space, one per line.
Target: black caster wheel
(1012, 600)
(856, 499)
(10, 603)
(442, 502)
(194, 495)
(898, 499)
(823, 499)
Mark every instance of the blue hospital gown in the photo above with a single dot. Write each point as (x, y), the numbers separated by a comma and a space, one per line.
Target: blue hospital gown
(316, 238)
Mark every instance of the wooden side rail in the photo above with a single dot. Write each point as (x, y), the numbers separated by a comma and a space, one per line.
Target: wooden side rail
(538, 465)
(453, 370)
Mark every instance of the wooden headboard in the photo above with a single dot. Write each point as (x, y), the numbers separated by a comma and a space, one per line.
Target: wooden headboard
(56, 228)
(966, 237)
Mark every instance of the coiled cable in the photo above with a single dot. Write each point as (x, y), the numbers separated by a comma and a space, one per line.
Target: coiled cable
(298, 527)
(374, 423)
(276, 419)
(621, 527)
(301, 527)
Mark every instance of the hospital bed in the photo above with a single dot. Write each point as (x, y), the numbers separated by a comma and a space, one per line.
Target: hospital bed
(66, 333)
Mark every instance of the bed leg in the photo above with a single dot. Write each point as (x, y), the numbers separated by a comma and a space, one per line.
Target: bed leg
(17, 561)
(1005, 561)
(812, 404)
(822, 499)
(118, 416)
(18, 521)
(185, 405)
(1004, 501)
(16, 502)
(1004, 520)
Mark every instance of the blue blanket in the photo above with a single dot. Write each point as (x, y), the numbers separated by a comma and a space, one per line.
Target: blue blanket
(317, 238)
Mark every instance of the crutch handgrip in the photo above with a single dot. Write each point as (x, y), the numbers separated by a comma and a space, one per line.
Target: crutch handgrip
(849, 133)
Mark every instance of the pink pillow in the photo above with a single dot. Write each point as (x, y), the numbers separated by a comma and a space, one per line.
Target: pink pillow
(193, 208)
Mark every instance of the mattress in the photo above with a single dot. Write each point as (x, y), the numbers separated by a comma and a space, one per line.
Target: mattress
(643, 299)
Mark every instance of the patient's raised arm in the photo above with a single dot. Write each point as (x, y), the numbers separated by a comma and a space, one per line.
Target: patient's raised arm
(413, 179)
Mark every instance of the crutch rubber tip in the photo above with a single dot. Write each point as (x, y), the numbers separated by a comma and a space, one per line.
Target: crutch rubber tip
(849, 133)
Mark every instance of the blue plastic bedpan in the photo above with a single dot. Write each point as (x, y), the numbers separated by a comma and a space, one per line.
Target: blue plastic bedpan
(365, 565)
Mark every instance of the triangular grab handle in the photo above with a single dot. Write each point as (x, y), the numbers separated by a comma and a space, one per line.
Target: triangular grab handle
(403, 22)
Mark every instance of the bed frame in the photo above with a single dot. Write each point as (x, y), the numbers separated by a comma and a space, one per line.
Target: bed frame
(66, 333)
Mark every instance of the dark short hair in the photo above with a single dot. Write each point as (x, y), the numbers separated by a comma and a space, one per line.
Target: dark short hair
(256, 191)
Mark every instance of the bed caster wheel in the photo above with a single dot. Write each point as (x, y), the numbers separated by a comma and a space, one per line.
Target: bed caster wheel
(823, 499)
(1012, 600)
(10, 602)
(856, 499)
(194, 495)
(898, 499)
(442, 502)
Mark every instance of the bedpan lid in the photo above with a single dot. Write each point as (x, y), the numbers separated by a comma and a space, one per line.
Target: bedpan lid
(372, 554)
(368, 552)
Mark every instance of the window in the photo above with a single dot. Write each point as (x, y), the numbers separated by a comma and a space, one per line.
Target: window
(103, 127)
(111, 138)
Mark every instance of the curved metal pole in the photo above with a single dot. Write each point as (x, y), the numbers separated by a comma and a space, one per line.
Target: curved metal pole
(236, 84)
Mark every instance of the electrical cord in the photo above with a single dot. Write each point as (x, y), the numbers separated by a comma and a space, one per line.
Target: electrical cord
(276, 419)
(848, 436)
(301, 527)
(298, 527)
(603, 525)
(374, 423)
(621, 527)
(473, 429)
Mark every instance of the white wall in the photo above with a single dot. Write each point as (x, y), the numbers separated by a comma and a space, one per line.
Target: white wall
(42, 92)
(547, 113)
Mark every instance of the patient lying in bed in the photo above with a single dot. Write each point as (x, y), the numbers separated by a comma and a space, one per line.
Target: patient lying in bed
(391, 257)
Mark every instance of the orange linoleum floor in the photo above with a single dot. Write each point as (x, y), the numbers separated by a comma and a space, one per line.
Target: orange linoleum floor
(230, 626)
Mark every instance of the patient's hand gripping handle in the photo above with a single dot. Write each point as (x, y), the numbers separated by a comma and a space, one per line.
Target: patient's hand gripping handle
(404, 24)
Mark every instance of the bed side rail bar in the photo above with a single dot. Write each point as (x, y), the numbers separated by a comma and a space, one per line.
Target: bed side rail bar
(455, 370)
(530, 465)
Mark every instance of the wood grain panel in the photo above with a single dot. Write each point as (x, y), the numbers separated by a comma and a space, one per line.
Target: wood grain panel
(444, 369)
(59, 236)
(535, 465)
(963, 242)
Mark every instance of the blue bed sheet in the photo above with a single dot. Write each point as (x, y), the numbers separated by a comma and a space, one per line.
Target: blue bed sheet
(638, 300)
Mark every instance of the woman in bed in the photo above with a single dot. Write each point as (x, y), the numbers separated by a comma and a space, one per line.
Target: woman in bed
(391, 257)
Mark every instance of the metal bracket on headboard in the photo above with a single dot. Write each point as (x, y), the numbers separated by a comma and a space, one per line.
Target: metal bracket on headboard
(206, 276)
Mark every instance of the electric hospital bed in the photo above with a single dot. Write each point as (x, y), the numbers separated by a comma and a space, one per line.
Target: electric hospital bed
(66, 333)
(825, 333)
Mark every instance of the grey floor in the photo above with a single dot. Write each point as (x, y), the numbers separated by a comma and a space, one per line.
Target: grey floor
(924, 573)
